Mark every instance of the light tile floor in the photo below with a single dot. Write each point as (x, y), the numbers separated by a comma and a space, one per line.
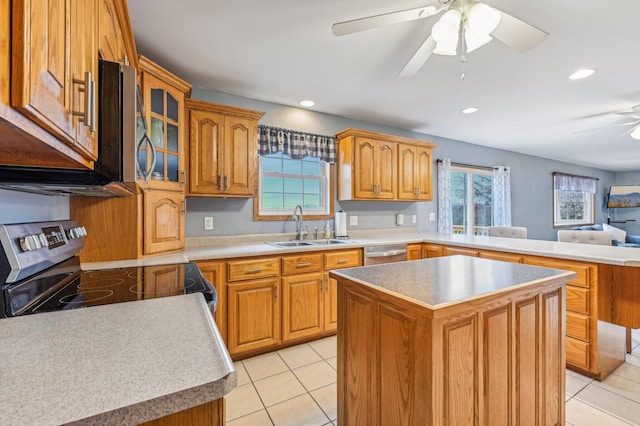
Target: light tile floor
(297, 386)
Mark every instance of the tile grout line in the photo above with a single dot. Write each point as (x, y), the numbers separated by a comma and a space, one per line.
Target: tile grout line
(600, 408)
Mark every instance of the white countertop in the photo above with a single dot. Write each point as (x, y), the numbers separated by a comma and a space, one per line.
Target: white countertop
(212, 248)
(444, 281)
(118, 364)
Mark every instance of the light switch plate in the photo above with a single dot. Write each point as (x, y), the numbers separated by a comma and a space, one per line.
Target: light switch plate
(413, 218)
(353, 220)
(432, 216)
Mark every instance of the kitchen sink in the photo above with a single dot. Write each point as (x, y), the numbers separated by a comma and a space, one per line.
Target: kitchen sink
(327, 242)
(307, 243)
(292, 243)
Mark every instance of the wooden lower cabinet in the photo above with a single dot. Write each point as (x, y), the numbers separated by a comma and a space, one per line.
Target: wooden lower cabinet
(302, 305)
(209, 414)
(214, 273)
(414, 251)
(253, 310)
(594, 347)
(276, 301)
(497, 362)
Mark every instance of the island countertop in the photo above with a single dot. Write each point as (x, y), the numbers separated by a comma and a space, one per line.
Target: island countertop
(119, 364)
(439, 282)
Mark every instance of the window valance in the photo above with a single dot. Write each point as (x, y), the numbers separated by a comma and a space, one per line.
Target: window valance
(574, 183)
(296, 144)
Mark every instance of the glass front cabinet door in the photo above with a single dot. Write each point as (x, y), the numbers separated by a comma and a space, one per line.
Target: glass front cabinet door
(163, 100)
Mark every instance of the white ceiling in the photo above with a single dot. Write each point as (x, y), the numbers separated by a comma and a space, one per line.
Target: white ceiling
(283, 51)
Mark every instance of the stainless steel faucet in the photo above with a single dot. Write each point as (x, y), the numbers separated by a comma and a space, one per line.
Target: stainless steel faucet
(299, 218)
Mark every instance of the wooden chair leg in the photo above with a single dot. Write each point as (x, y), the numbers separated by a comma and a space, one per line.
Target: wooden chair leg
(629, 348)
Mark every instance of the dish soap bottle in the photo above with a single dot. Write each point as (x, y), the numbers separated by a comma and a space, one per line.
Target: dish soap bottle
(327, 231)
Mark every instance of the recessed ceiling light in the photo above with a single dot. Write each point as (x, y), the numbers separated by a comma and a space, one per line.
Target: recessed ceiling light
(469, 110)
(583, 73)
(307, 103)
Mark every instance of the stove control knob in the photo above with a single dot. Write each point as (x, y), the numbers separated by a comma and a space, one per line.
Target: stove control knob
(43, 240)
(30, 242)
(77, 232)
(83, 231)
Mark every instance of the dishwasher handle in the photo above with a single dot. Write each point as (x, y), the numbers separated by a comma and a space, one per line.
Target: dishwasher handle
(385, 253)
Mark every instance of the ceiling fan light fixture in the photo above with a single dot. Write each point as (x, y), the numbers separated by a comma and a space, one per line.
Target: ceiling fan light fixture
(483, 19)
(445, 33)
(635, 134)
(474, 40)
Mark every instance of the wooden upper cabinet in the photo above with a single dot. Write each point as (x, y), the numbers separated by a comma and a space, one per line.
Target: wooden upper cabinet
(163, 221)
(375, 166)
(163, 98)
(415, 181)
(111, 44)
(54, 69)
(223, 150)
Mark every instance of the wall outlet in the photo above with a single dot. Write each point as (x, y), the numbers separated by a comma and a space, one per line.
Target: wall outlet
(432, 216)
(413, 218)
(399, 219)
(353, 220)
(208, 223)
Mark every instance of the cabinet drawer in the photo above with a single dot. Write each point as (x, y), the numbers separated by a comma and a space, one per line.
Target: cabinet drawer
(578, 299)
(577, 326)
(504, 257)
(238, 270)
(342, 259)
(578, 353)
(451, 251)
(582, 278)
(301, 263)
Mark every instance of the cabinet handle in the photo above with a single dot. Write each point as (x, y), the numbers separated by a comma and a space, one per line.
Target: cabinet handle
(183, 180)
(254, 270)
(184, 206)
(341, 261)
(220, 182)
(322, 288)
(276, 291)
(226, 182)
(417, 191)
(88, 88)
(303, 265)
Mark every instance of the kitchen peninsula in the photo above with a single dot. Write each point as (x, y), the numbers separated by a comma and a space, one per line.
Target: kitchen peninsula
(451, 340)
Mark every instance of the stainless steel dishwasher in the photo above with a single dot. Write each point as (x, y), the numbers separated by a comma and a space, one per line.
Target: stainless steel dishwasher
(385, 254)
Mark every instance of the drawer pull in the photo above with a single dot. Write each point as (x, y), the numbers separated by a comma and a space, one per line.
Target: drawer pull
(341, 261)
(303, 265)
(254, 270)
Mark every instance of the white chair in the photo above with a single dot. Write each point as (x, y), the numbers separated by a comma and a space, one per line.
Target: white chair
(585, 237)
(508, 231)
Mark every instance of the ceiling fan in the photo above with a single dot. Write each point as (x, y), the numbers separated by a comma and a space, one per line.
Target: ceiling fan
(477, 22)
(634, 123)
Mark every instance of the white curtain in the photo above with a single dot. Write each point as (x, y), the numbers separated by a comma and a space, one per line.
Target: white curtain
(445, 213)
(501, 192)
(574, 183)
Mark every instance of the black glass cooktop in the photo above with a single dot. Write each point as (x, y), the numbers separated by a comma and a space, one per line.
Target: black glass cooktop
(68, 287)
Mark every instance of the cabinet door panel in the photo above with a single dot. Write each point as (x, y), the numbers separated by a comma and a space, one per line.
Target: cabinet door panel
(303, 305)
(386, 167)
(407, 172)
(240, 156)
(164, 221)
(424, 179)
(205, 150)
(365, 178)
(253, 315)
(330, 304)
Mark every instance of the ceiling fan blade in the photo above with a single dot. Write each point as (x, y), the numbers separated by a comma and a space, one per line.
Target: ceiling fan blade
(517, 34)
(608, 127)
(419, 58)
(362, 24)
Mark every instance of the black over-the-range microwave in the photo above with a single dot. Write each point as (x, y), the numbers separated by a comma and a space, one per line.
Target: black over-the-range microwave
(116, 169)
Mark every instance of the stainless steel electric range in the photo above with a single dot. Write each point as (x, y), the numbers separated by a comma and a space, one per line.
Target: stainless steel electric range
(40, 271)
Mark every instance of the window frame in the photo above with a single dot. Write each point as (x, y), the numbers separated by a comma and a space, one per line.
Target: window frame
(470, 170)
(257, 216)
(589, 210)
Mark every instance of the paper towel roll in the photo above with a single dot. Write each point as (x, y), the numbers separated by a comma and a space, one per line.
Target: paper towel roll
(341, 223)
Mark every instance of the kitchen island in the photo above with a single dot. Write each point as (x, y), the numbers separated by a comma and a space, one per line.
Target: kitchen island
(119, 364)
(451, 341)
